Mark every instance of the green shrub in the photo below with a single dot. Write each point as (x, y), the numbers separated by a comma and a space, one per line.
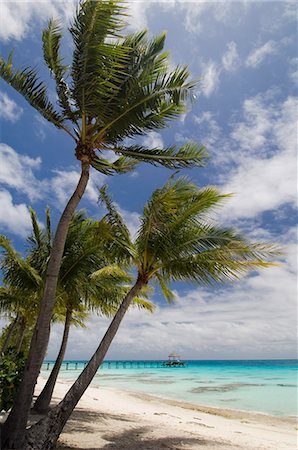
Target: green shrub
(11, 370)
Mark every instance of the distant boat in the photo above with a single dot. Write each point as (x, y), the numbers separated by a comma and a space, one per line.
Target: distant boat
(173, 361)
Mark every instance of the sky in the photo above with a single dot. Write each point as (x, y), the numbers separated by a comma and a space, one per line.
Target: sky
(244, 56)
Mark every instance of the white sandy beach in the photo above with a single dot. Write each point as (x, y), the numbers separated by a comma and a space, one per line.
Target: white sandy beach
(109, 419)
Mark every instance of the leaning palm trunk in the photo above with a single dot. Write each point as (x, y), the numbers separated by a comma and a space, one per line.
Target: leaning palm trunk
(9, 334)
(44, 434)
(21, 335)
(44, 399)
(13, 431)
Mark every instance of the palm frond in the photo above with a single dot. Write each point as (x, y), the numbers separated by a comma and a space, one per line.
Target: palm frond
(223, 264)
(17, 271)
(37, 235)
(172, 157)
(51, 38)
(122, 241)
(96, 60)
(143, 303)
(151, 106)
(163, 282)
(111, 274)
(26, 82)
(121, 165)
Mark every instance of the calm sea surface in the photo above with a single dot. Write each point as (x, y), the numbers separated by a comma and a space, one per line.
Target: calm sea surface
(268, 386)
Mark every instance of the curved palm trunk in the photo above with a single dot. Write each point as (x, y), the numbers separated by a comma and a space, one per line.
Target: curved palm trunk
(22, 330)
(44, 399)
(9, 334)
(13, 430)
(44, 434)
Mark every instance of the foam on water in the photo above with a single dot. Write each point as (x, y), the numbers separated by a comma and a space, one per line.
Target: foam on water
(265, 386)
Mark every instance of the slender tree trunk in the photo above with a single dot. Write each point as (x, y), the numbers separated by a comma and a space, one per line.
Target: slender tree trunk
(45, 433)
(21, 334)
(44, 399)
(10, 330)
(13, 430)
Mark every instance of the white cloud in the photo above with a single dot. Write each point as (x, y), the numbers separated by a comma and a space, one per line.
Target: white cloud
(293, 72)
(252, 134)
(257, 55)
(198, 14)
(131, 219)
(18, 17)
(64, 182)
(9, 110)
(230, 59)
(210, 78)
(152, 140)
(14, 218)
(265, 177)
(138, 14)
(17, 171)
(208, 130)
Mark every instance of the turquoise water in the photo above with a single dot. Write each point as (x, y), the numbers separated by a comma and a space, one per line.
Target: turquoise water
(265, 386)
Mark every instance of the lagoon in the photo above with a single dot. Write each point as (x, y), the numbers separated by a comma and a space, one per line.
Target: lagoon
(266, 386)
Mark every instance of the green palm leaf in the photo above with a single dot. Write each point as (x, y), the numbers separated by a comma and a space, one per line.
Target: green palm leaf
(171, 157)
(96, 61)
(27, 83)
(51, 38)
(121, 165)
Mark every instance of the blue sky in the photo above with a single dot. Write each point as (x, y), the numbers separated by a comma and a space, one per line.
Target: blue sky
(245, 113)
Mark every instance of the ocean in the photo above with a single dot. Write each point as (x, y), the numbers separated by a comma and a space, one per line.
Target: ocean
(266, 386)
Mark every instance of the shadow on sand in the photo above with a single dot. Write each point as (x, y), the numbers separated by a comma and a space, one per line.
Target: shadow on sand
(135, 438)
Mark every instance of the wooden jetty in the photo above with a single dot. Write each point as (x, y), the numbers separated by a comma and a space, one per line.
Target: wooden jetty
(121, 364)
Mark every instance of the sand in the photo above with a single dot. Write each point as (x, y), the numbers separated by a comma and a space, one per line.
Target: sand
(107, 419)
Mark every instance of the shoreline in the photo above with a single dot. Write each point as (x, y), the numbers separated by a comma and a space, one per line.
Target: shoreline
(233, 413)
(108, 418)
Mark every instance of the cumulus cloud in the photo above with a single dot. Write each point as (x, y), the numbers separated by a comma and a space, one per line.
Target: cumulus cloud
(265, 177)
(131, 219)
(18, 17)
(64, 182)
(198, 14)
(152, 140)
(210, 78)
(230, 59)
(208, 129)
(17, 171)
(257, 55)
(9, 110)
(14, 218)
(293, 72)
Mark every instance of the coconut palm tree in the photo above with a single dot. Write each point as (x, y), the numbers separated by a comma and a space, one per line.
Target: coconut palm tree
(177, 241)
(19, 295)
(115, 88)
(21, 316)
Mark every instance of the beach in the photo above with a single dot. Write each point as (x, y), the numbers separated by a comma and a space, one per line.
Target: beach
(108, 418)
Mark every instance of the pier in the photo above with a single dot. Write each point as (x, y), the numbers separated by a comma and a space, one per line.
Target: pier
(80, 365)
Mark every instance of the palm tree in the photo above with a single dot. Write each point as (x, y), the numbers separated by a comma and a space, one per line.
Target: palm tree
(115, 88)
(176, 241)
(19, 296)
(19, 315)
